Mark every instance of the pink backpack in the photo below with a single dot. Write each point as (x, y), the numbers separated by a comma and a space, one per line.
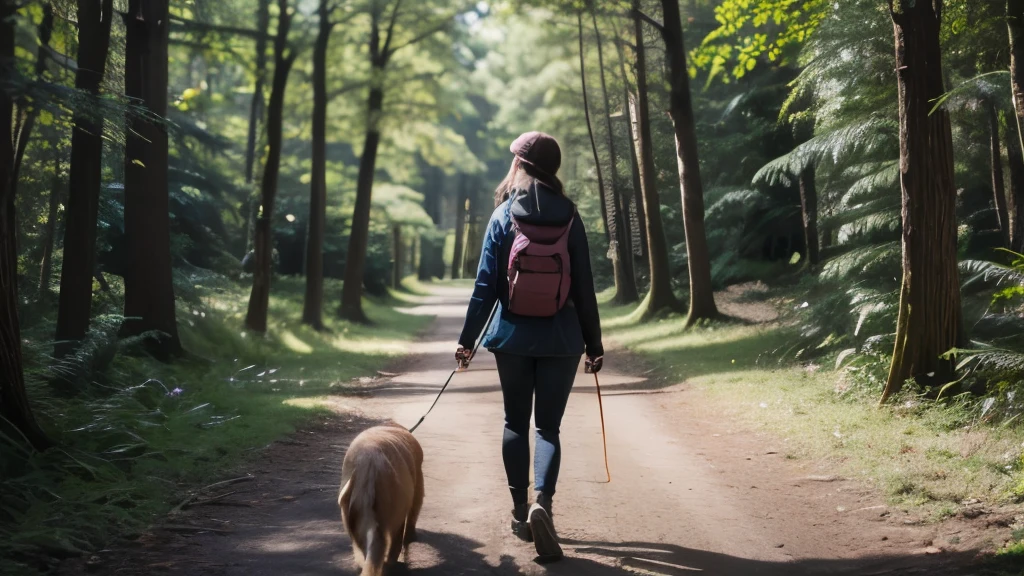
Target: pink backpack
(538, 269)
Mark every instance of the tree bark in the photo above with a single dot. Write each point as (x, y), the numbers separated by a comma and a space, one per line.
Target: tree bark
(15, 411)
(148, 281)
(259, 298)
(50, 230)
(397, 254)
(640, 231)
(809, 208)
(1015, 198)
(1015, 26)
(460, 226)
(702, 295)
(996, 163)
(608, 225)
(32, 114)
(355, 263)
(79, 263)
(625, 278)
(930, 319)
(660, 297)
(256, 108)
(312, 311)
(431, 248)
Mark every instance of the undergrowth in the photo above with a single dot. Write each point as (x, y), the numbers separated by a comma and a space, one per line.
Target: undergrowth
(927, 457)
(133, 435)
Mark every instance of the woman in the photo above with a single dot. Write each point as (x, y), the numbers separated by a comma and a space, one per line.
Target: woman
(538, 354)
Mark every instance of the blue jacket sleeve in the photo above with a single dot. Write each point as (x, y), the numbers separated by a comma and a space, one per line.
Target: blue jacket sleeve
(485, 293)
(583, 293)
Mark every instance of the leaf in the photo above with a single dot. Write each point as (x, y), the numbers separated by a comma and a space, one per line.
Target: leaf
(138, 162)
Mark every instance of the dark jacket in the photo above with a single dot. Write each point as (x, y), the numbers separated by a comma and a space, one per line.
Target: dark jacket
(576, 328)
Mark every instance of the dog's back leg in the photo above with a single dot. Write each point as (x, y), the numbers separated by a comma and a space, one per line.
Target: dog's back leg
(395, 546)
(414, 512)
(375, 547)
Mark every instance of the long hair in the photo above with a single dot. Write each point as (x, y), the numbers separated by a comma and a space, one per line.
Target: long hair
(520, 177)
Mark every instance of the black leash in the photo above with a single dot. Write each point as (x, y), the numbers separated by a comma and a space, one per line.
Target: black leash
(459, 369)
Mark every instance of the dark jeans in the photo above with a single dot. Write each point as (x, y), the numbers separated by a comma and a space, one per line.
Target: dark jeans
(550, 379)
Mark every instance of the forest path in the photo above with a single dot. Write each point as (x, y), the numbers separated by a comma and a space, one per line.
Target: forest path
(689, 493)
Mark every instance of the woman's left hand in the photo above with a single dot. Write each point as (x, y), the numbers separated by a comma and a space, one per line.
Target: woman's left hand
(463, 355)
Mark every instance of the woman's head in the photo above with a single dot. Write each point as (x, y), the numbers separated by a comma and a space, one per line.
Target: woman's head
(537, 157)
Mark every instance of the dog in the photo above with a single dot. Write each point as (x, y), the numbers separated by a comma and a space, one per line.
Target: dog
(381, 495)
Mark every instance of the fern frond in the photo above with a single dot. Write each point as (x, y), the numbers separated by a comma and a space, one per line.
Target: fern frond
(880, 177)
(866, 260)
(985, 271)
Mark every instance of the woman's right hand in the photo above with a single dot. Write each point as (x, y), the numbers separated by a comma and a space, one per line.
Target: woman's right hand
(593, 364)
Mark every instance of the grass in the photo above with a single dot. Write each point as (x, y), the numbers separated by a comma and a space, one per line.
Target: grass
(924, 457)
(145, 433)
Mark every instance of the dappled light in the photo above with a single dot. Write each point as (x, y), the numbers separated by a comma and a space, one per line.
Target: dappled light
(745, 278)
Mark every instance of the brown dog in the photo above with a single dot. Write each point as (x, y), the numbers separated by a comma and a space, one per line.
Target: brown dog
(381, 494)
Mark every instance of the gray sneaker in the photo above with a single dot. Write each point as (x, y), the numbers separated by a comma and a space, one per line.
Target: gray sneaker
(520, 526)
(544, 537)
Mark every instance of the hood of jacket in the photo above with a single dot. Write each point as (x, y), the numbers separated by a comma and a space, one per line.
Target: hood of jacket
(541, 205)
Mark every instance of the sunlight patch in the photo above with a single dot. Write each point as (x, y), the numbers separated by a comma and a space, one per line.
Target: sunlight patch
(293, 343)
(307, 403)
(369, 346)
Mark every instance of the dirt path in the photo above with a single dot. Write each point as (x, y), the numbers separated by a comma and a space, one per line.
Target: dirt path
(688, 493)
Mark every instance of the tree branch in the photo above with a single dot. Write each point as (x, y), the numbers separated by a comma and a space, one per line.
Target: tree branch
(423, 36)
(193, 25)
(386, 52)
(657, 25)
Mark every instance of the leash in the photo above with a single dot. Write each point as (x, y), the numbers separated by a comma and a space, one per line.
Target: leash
(604, 436)
(459, 369)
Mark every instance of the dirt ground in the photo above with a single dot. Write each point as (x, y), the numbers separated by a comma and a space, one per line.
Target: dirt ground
(689, 492)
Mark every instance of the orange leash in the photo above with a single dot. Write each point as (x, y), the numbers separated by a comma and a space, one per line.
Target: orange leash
(604, 436)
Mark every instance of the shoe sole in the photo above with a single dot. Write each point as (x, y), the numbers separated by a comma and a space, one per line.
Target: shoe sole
(544, 537)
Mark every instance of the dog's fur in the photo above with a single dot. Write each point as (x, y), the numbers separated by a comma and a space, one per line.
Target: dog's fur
(381, 494)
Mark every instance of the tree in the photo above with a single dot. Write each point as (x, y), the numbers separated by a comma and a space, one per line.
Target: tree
(312, 311)
(29, 114)
(50, 229)
(996, 169)
(259, 298)
(79, 263)
(255, 115)
(702, 295)
(660, 296)
(1015, 26)
(382, 48)
(461, 223)
(15, 411)
(625, 278)
(930, 319)
(1015, 197)
(148, 281)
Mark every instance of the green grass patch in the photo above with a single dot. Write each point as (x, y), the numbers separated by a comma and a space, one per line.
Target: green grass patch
(922, 455)
(137, 440)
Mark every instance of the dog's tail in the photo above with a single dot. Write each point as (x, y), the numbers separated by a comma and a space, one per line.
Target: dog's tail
(356, 502)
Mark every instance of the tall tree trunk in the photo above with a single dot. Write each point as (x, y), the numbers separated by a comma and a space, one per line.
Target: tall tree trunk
(355, 263)
(702, 295)
(14, 407)
(1015, 26)
(809, 208)
(660, 296)
(431, 247)
(79, 263)
(474, 230)
(259, 298)
(397, 255)
(608, 224)
(50, 230)
(256, 108)
(930, 316)
(460, 226)
(625, 279)
(996, 163)
(1015, 198)
(640, 226)
(32, 113)
(148, 281)
(312, 310)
